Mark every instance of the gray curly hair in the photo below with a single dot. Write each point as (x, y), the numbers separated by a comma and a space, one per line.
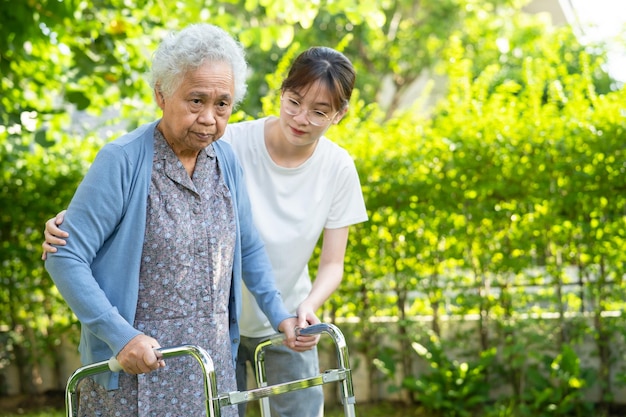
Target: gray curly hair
(189, 49)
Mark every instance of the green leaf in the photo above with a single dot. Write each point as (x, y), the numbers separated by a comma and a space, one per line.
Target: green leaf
(78, 98)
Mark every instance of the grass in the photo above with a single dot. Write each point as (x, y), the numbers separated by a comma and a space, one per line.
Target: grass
(383, 409)
(40, 413)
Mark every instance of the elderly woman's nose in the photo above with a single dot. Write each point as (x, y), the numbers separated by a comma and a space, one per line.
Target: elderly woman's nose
(207, 115)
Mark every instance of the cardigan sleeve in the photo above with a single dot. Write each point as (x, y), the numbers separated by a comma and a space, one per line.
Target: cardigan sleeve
(92, 216)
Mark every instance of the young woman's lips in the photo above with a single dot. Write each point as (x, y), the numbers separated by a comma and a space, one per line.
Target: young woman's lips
(297, 132)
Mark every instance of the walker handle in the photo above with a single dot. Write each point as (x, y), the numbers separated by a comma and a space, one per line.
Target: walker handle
(311, 330)
(115, 366)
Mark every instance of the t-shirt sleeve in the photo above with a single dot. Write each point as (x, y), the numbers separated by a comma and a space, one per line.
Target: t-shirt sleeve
(348, 205)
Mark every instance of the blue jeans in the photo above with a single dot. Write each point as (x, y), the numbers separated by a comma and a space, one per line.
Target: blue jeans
(283, 365)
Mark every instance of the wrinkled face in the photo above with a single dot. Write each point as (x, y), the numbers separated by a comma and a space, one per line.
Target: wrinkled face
(197, 112)
(298, 129)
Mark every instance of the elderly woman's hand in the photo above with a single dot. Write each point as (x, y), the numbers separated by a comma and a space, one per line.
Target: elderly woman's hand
(139, 355)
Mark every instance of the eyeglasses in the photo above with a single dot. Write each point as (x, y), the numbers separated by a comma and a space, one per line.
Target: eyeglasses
(315, 117)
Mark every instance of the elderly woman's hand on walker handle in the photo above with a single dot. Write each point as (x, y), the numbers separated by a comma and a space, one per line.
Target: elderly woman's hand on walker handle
(139, 356)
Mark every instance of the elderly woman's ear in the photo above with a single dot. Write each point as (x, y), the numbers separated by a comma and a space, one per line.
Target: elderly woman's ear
(158, 95)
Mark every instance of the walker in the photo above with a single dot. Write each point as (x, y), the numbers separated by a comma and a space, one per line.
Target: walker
(214, 400)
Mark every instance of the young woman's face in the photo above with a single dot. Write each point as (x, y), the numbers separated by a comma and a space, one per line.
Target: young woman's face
(305, 115)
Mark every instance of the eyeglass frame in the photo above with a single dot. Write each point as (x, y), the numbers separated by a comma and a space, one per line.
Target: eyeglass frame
(329, 119)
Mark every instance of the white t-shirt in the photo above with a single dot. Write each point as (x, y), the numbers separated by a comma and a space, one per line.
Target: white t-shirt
(291, 207)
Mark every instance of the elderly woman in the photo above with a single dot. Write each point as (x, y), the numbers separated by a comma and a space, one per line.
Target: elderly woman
(161, 237)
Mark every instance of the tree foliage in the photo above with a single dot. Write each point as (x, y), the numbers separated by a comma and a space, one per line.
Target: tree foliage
(73, 76)
(506, 202)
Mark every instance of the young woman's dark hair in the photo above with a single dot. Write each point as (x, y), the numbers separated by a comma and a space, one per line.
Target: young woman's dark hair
(326, 65)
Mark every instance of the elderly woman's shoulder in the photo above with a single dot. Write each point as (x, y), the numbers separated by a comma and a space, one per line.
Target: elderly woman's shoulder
(144, 132)
(224, 148)
(132, 146)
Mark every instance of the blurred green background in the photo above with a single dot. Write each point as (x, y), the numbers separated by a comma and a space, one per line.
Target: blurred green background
(490, 143)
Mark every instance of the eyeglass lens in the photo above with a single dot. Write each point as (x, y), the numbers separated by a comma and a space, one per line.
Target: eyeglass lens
(293, 108)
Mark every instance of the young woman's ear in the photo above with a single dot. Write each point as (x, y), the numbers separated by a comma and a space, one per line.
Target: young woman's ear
(340, 115)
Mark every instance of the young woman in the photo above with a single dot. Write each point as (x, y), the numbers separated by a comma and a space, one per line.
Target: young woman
(301, 185)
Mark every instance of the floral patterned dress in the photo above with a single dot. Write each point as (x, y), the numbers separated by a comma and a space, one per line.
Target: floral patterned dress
(184, 288)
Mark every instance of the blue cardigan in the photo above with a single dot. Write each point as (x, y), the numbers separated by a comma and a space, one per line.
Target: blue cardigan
(97, 272)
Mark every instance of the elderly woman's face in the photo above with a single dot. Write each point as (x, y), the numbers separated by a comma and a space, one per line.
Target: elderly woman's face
(197, 113)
